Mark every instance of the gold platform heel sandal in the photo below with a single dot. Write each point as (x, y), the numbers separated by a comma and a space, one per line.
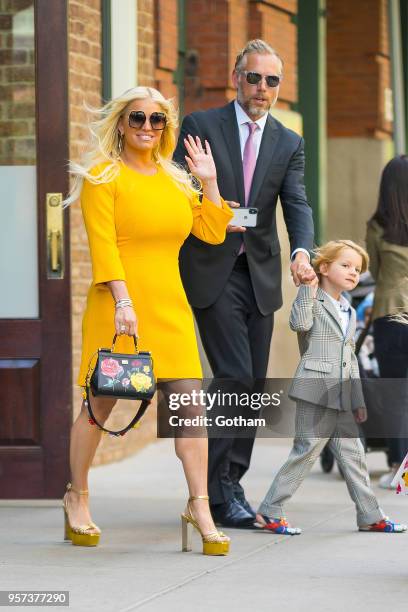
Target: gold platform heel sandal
(214, 543)
(83, 535)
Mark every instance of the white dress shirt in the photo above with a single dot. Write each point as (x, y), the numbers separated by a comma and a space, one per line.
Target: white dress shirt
(343, 310)
(242, 121)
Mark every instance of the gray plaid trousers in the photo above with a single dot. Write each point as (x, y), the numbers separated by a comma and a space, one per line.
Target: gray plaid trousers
(315, 427)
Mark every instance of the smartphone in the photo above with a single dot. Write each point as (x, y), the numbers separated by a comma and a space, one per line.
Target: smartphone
(246, 217)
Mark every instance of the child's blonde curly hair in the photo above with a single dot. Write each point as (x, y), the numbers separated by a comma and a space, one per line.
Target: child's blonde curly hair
(329, 252)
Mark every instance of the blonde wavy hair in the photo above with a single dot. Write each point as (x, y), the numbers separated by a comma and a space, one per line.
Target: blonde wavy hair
(329, 252)
(104, 145)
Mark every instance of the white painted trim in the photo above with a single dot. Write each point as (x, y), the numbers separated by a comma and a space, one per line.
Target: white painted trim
(123, 45)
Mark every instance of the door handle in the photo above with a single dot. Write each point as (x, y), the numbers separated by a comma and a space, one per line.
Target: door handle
(55, 236)
(54, 246)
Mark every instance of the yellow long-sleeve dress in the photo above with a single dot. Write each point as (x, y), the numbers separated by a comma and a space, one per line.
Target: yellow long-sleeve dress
(136, 225)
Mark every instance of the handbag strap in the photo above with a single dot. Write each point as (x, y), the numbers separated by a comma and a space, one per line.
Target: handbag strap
(121, 432)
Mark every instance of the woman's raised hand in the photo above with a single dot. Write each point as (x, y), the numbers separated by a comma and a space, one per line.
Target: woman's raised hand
(200, 161)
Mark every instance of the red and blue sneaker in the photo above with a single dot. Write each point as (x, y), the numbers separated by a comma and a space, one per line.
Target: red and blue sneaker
(385, 526)
(276, 525)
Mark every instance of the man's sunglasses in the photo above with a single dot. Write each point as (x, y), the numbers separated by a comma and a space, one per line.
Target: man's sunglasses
(253, 78)
(137, 119)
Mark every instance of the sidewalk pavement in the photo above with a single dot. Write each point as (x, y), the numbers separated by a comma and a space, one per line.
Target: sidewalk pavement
(138, 565)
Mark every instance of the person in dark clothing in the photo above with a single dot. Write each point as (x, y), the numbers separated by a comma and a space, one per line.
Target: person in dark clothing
(235, 288)
(387, 245)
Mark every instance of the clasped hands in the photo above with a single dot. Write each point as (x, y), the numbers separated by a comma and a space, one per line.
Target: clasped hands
(302, 271)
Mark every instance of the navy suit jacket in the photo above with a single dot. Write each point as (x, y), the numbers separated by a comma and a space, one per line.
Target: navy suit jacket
(279, 171)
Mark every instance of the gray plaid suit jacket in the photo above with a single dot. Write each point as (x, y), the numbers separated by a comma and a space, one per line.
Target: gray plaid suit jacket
(328, 373)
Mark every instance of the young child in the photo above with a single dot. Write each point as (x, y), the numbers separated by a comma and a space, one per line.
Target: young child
(326, 386)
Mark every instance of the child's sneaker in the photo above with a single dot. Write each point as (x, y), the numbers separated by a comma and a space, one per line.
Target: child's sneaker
(386, 526)
(277, 525)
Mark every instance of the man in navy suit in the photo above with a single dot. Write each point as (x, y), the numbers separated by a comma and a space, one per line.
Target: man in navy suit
(234, 288)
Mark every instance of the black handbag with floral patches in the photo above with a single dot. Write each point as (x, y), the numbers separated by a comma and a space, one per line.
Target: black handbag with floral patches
(121, 376)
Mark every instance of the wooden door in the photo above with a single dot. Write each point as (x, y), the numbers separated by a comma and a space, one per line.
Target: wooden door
(35, 317)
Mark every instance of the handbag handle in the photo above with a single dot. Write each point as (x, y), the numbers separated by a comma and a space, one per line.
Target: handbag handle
(121, 432)
(135, 339)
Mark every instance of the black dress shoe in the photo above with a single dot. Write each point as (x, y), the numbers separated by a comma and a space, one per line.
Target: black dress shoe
(232, 514)
(246, 505)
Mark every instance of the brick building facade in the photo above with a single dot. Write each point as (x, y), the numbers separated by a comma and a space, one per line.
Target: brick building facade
(359, 111)
(225, 26)
(193, 58)
(344, 88)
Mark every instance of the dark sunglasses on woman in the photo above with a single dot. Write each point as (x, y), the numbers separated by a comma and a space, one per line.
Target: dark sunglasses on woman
(137, 119)
(253, 78)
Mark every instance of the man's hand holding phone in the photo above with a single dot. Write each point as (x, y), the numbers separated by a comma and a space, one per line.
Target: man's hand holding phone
(234, 228)
(243, 217)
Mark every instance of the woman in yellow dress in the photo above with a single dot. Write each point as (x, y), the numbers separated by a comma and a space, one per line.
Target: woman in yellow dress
(138, 208)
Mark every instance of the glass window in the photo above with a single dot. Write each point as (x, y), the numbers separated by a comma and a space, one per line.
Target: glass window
(18, 191)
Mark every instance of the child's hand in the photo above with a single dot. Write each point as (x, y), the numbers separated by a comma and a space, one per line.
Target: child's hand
(360, 415)
(301, 270)
(312, 283)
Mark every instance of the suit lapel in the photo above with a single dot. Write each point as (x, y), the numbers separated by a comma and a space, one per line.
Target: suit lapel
(229, 128)
(269, 141)
(330, 307)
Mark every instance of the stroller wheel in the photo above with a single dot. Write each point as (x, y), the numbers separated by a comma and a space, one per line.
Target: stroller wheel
(326, 460)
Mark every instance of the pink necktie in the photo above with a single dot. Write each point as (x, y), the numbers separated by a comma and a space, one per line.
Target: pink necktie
(248, 163)
(249, 160)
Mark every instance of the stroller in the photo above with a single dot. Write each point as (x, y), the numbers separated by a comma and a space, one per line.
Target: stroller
(362, 300)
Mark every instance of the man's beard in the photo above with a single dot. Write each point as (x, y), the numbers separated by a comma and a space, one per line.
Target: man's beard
(255, 111)
(252, 110)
